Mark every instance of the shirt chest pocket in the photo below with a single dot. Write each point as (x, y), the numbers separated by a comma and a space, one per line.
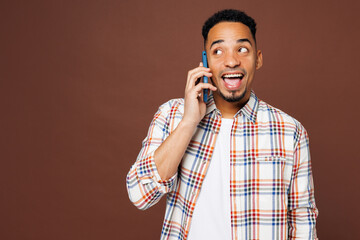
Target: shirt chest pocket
(273, 173)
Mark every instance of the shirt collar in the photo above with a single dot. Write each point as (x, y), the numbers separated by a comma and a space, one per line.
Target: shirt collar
(249, 110)
(210, 104)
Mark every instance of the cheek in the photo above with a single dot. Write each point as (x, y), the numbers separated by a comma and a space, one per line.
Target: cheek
(252, 61)
(215, 66)
(214, 72)
(249, 65)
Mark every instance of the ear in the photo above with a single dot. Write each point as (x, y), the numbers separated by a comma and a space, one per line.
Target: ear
(259, 59)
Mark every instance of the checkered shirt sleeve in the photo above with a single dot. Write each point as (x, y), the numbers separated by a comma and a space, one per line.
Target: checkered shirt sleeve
(144, 184)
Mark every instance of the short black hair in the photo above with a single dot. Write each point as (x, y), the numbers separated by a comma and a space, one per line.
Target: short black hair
(229, 15)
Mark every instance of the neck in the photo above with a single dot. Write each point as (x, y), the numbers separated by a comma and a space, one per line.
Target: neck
(229, 109)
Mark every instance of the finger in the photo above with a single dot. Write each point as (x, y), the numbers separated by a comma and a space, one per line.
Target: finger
(202, 86)
(195, 76)
(194, 93)
(192, 72)
(195, 71)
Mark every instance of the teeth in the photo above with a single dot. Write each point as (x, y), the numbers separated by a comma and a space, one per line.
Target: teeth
(237, 75)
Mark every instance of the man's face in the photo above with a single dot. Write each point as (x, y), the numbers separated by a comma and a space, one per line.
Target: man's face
(233, 59)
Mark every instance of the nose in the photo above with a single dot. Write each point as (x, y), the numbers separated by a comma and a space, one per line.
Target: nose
(232, 60)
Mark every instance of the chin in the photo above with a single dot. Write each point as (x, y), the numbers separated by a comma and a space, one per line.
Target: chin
(232, 97)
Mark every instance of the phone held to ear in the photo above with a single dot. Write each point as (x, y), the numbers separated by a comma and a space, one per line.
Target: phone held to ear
(205, 79)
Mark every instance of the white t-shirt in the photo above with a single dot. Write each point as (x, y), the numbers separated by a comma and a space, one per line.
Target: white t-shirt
(211, 219)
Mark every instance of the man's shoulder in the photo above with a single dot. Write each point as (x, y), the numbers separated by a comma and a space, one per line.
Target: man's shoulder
(267, 112)
(175, 105)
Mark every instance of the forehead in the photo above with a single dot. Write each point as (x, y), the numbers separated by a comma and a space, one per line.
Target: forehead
(229, 31)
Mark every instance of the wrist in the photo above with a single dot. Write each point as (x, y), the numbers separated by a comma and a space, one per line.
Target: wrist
(187, 126)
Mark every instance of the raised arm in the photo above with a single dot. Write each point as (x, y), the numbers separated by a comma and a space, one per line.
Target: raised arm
(155, 170)
(170, 153)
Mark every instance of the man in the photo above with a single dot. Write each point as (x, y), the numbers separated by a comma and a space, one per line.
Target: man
(233, 167)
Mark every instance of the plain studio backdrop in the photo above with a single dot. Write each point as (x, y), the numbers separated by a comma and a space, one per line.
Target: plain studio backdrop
(81, 80)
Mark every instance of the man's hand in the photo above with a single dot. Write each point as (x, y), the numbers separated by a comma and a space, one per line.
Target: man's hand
(168, 156)
(195, 108)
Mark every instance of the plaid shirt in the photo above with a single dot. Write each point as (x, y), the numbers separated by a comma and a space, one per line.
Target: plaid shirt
(271, 186)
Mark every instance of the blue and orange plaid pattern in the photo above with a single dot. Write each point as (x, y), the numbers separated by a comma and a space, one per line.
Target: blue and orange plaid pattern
(271, 185)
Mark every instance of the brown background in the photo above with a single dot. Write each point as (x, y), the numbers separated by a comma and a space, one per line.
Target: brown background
(81, 80)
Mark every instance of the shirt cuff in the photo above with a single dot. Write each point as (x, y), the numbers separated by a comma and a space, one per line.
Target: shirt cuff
(148, 174)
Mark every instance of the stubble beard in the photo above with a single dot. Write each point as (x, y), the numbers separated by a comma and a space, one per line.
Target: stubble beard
(233, 98)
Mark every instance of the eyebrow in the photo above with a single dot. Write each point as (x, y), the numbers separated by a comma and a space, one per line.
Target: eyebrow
(238, 41)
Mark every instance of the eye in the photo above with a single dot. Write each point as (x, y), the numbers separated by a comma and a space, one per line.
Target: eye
(243, 50)
(217, 52)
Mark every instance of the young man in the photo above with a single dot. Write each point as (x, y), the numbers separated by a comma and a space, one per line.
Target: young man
(233, 167)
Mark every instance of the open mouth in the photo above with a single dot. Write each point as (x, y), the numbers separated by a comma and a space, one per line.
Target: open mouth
(232, 80)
